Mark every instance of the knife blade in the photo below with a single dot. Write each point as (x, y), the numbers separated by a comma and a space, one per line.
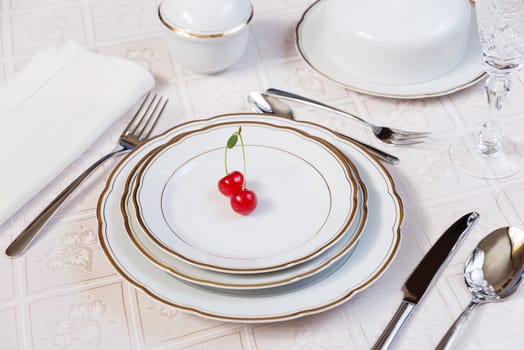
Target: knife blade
(425, 274)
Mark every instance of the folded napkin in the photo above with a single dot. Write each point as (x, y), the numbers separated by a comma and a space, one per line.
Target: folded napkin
(53, 110)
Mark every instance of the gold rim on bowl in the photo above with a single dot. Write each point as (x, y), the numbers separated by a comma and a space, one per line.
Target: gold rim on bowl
(185, 32)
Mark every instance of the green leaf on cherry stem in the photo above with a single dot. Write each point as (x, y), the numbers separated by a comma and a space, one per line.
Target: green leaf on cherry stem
(232, 141)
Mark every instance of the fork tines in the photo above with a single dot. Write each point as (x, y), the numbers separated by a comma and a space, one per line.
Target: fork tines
(144, 121)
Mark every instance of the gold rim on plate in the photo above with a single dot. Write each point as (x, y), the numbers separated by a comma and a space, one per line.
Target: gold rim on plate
(299, 276)
(370, 92)
(141, 167)
(382, 267)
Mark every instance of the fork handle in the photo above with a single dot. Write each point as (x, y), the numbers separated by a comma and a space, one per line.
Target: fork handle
(24, 239)
(286, 95)
(386, 157)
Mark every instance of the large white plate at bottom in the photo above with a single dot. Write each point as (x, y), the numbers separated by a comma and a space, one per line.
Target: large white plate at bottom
(374, 253)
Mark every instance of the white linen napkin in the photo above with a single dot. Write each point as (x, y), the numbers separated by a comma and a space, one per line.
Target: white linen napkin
(53, 110)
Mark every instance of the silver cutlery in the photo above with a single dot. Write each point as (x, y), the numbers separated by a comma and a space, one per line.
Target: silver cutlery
(263, 103)
(492, 273)
(385, 134)
(424, 275)
(136, 131)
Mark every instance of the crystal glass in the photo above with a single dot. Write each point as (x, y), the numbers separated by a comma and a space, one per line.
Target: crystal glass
(501, 29)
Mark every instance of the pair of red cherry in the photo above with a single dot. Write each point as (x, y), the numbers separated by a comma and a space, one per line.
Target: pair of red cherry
(243, 201)
(233, 185)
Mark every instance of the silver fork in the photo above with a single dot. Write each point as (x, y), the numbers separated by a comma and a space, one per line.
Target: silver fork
(385, 134)
(136, 131)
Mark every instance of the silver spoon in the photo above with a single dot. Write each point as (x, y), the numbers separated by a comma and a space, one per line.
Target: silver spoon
(262, 103)
(493, 272)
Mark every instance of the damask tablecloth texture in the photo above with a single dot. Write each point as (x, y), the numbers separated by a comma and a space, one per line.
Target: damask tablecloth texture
(64, 294)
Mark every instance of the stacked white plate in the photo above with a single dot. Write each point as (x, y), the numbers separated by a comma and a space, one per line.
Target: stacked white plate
(326, 226)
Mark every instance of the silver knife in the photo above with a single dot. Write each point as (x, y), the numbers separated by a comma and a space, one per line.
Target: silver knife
(425, 274)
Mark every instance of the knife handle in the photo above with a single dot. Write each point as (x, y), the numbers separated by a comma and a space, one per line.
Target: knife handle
(390, 333)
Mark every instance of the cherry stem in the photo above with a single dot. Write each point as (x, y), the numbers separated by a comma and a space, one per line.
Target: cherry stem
(243, 156)
(239, 134)
(225, 161)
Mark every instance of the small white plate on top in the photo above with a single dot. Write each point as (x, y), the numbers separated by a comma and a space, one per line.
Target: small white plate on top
(307, 198)
(310, 45)
(371, 257)
(227, 281)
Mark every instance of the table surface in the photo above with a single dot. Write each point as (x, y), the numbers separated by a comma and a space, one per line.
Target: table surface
(64, 294)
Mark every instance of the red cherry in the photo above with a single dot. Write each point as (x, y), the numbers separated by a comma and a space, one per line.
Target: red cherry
(244, 202)
(231, 184)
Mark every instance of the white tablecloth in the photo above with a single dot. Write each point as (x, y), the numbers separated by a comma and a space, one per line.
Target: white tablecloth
(64, 294)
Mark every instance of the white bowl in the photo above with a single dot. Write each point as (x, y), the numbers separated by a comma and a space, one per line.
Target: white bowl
(397, 42)
(207, 36)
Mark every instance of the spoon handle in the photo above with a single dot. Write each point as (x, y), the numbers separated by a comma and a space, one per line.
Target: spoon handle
(294, 97)
(453, 331)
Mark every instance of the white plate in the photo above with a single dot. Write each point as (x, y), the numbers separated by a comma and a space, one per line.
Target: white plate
(310, 45)
(375, 251)
(228, 281)
(306, 193)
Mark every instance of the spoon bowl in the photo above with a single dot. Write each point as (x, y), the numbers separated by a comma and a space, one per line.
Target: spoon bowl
(262, 103)
(492, 273)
